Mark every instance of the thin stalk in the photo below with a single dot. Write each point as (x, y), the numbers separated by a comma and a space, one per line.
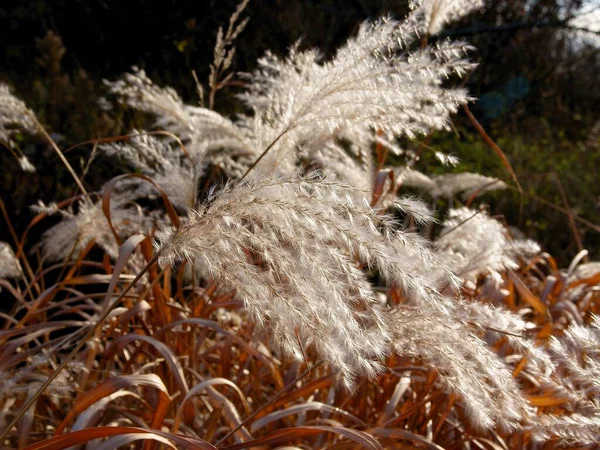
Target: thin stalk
(570, 216)
(19, 254)
(460, 224)
(492, 144)
(558, 208)
(78, 347)
(262, 155)
(60, 154)
(270, 402)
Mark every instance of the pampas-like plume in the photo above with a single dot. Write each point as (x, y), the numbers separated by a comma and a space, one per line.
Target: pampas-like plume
(303, 108)
(209, 137)
(9, 264)
(449, 185)
(437, 13)
(291, 249)
(571, 430)
(15, 117)
(466, 365)
(165, 163)
(76, 230)
(306, 254)
(466, 184)
(471, 244)
(577, 358)
(373, 81)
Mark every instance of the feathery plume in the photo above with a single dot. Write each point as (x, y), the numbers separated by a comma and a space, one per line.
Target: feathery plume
(162, 161)
(471, 243)
(466, 366)
(76, 230)
(224, 52)
(209, 137)
(464, 184)
(583, 271)
(577, 356)
(304, 110)
(9, 264)
(290, 249)
(371, 82)
(25, 164)
(437, 13)
(15, 117)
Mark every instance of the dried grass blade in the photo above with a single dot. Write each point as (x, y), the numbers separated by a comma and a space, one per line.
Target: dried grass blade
(312, 386)
(164, 350)
(591, 281)
(302, 408)
(204, 385)
(75, 438)
(231, 415)
(398, 433)
(158, 417)
(108, 188)
(93, 414)
(162, 312)
(241, 342)
(360, 437)
(75, 350)
(547, 400)
(399, 391)
(107, 388)
(124, 254)
(210, 425)
(527, 295)
(124, 439)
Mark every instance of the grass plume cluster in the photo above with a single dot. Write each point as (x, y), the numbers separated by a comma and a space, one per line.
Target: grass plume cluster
(299, 304)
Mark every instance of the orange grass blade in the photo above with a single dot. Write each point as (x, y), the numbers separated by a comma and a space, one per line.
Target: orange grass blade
(204, 385)
(305, 390)
(288, 434)
(527, 295)
(160, 411)
(163, 313)
(591, 281)
(164, 350)
(108, 188)
(302, 408)
(235, 338)
(490, 142)
(379, 184)
(83, 436)
(271, 401)
(29, 403)
(124, 254)
(210, 426)
(400, 434)
(546, 400)
(128, 438)
(230, 414)
(107, 388)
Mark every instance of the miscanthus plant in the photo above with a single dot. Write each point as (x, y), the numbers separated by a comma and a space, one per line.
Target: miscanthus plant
(303, 284)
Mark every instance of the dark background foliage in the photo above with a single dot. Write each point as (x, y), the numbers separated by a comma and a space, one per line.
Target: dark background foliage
(537, 89)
